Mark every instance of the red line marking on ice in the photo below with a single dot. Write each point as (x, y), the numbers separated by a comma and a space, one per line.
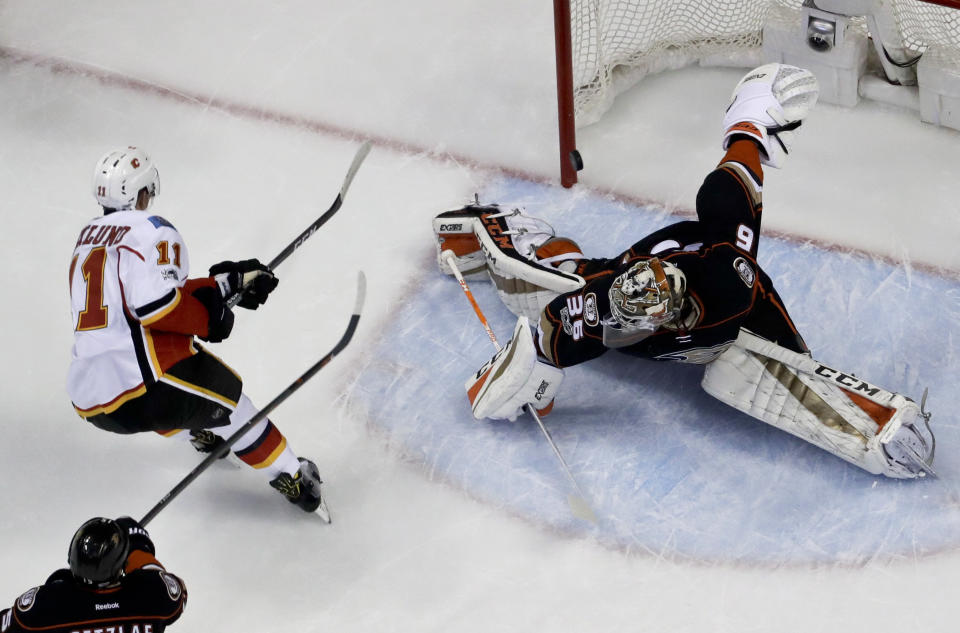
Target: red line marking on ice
(110, 78)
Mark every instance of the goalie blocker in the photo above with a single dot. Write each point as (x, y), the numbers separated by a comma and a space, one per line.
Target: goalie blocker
(883, 433)
(513, 378)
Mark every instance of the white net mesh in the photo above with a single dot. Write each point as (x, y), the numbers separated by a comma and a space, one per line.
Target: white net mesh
(617, 42)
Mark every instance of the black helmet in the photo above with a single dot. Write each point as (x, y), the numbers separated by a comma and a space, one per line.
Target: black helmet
(98, 552)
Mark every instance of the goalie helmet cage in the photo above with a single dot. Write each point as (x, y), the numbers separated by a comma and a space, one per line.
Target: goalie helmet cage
(604, 47)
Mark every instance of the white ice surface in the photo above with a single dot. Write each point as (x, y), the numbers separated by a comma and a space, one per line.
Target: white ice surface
(253, 112)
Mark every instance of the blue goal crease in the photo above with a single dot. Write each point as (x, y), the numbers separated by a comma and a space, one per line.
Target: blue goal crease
(666, 467)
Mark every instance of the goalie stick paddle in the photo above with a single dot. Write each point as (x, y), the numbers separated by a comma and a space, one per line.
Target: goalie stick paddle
(267, 410)
(358, 159)
(578, 503)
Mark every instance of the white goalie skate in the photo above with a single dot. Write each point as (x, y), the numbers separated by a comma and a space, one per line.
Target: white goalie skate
(911, 444)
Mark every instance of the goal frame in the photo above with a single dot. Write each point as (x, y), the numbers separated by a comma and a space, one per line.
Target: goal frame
(570, 159)
(570, 162)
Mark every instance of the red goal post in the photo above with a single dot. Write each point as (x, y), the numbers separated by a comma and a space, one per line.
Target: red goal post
(605, 46)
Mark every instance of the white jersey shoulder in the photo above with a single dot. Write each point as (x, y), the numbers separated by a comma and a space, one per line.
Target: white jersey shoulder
(126, 272)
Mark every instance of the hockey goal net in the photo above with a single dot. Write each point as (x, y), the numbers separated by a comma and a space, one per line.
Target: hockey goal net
(613, 44)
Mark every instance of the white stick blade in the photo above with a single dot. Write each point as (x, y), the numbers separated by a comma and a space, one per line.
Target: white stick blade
(361, 292)
(354, 166)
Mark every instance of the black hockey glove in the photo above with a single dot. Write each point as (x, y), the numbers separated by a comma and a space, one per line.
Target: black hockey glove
(249, 278)
(219, 314)
(139, 537)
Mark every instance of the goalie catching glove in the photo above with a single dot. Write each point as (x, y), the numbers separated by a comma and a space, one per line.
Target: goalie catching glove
(767, 106)
(249, 278)
(529, 265)
(513, 378)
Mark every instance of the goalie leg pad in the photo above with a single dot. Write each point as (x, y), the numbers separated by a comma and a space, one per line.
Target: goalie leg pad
(825, 409)
(514, 377)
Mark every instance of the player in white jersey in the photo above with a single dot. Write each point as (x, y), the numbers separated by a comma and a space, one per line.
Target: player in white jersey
(136, 365)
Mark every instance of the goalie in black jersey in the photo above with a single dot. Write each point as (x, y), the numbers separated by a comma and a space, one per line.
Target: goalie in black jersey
(113, 584)
(690, 292)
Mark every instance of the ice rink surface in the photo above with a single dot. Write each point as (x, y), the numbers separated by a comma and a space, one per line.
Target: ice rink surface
(709, 520)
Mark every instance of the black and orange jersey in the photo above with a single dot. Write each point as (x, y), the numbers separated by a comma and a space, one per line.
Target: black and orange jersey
(726, 288)
(146, 600)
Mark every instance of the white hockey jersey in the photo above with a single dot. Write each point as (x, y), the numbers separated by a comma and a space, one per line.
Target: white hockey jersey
(127, 272)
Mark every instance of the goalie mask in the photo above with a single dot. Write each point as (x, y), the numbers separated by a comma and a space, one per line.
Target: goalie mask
(647, 295)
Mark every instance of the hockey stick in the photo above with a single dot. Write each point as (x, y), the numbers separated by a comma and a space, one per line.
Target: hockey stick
(358, 159)
(578, 504)
(263, 413)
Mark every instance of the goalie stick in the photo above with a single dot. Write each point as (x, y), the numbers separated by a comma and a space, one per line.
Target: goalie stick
(578, 504)
(263, 413)
(358, 159)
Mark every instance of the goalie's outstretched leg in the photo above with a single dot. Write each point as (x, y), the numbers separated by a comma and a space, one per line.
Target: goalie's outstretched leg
(882, 432)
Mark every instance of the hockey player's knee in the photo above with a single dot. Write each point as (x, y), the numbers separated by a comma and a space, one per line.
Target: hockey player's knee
(513, 378)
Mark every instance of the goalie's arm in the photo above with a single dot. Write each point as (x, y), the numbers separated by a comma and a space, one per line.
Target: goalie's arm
(570, 329)
(729, 202)
(766, 108)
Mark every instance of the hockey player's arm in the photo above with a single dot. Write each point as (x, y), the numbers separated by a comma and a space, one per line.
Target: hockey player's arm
(190, 309)
(570, 329)
(153, 274)
(166, 593)
(729, 202)
(203, 306)
(200, 310)
(766, 108)
(142, 551)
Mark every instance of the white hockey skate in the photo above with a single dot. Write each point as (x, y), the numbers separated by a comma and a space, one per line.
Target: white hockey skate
(911, 444)
(303, 489)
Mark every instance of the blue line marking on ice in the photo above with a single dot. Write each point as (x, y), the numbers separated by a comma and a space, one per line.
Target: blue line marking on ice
(668, 469)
